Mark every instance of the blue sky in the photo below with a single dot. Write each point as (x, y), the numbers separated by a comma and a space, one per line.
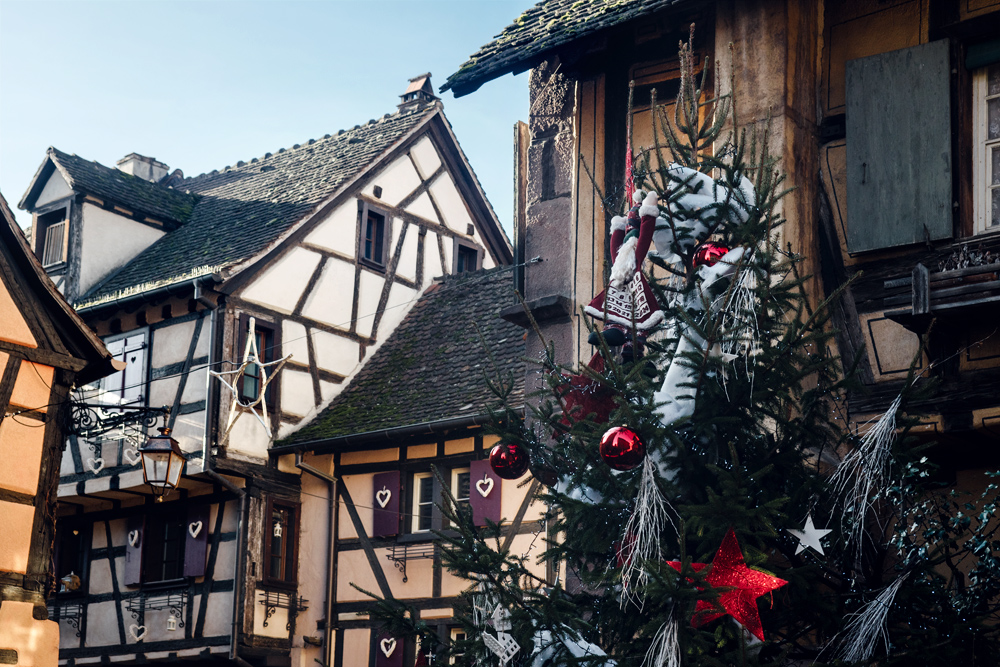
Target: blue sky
(201, 84)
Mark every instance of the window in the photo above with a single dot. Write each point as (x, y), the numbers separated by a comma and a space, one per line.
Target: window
(53, 236)
(281, 539)
(460, 486)
(423, 502)
(466, 259)
(986, 142)
(128, 386)
(163, 553)
(373, 238)
(71, 556)
(267, 347)
(458, 635)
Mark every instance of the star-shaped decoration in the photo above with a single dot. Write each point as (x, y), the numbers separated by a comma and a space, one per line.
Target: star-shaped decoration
(267, 372)
(743, 586)
(809, 536)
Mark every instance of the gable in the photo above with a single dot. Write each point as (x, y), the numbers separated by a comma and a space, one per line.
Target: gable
(55, 188)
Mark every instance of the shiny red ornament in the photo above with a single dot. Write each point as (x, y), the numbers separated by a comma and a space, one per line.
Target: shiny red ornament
(744, 585)
(509, 461)
(621, 448)
(709, 253)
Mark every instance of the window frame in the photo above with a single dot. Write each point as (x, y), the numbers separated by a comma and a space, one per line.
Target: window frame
(269, 354)
(462, 244)
(39, 232)
(162, 520)
(380, 263)
(415, 503)
(463, 497)
(291, 544)
(81, 558)
(982, 147)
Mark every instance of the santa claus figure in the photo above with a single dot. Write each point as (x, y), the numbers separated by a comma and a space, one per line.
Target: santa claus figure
(628, 306)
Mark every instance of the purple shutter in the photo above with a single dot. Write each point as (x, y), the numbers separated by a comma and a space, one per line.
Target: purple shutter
(196, 541)
(133, 549)
(484, 494)
(385, 500)
(385, 643)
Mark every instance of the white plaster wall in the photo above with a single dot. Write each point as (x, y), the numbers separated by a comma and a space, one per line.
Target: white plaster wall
(397, 180)
(369, 293)
(397, 229)
(280, 286)
(314, 541)
(335, 353)
(328, 390)
(488, 262)
(338, 232)
(66, 466)
(407, 267)
(196, 387)
(293, 341)
(189, 431)
(219, 614)
(432, 259)
(275, 624)
(102, 624)
(331, 299)
(449, 251)
(450, 203)
(163, 390)
(55, 188)
(109, 241)
(396, 308)
(426, 157)
(422, 207)
(297, 396)
(248, 437)
(171, 343)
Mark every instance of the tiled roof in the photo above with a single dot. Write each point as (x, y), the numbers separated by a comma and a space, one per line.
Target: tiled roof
(432, 365)
(154, 200)
(242, 209)
(541, 29)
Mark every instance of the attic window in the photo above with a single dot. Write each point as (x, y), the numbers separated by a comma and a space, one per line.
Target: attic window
(53, 233)
(373, 232)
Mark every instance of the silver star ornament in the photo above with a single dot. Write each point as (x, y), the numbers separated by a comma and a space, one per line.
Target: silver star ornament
(809, 536)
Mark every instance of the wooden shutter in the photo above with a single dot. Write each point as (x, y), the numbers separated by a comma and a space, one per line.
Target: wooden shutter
(196, 541)
(899, 183)
(391, 645)
(385, 500)
(134, 390)
(134, 539)
(484, 494)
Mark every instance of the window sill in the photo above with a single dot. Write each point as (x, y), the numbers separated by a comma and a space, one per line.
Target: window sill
(165, 585)
(266, 584)
(369, 264)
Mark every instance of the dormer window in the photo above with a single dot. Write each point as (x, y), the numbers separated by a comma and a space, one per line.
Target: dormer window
(373, 236)
(53, 235)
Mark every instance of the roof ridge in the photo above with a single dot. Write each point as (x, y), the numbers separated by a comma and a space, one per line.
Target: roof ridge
(400, 113)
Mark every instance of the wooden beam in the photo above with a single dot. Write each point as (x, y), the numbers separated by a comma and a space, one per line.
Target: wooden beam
(366, 544)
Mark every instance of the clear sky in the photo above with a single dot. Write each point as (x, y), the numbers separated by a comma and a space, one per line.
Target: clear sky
(201, 84)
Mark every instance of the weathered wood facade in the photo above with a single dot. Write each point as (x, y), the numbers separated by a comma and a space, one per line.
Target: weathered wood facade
(44, 350)
(325, 246)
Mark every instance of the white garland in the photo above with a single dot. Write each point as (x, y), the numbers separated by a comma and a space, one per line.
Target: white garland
(641, 541)
(867, 625)
(664, 651)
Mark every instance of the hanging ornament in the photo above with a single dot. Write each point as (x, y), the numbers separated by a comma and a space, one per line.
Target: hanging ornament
(621, 448)
(509, 461)
(708, 253)
(641, 541)
(809, 537)
(744, 585)
(584, 396)
(867, 626)
(503, 645)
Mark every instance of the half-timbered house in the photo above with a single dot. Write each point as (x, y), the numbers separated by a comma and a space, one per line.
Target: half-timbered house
(370, 496)
(45, 350)
(319, 250)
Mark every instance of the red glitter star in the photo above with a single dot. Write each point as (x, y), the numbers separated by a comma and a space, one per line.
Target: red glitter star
(744, 585)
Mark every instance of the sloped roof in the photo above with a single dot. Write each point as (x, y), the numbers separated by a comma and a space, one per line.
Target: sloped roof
(540, 30)
(242, 209)
(104, 182)
(431, 367)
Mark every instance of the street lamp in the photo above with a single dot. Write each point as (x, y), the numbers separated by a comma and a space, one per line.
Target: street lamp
(162, 463)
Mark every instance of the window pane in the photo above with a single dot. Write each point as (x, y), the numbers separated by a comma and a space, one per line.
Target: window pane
(379, 230)
(993, 79)
(462, 486)
(995, 161)
(278, 533)
(426, 490)
(993, 118)
(995, 215)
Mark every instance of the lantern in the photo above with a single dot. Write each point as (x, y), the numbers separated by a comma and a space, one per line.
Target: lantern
(162, 463)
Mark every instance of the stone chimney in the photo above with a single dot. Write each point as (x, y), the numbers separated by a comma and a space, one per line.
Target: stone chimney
(418, 93)
(147, 168)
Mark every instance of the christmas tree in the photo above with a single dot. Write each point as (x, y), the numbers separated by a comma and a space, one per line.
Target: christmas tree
(709, 503)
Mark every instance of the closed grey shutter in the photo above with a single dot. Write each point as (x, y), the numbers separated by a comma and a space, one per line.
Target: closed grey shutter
(899, 188)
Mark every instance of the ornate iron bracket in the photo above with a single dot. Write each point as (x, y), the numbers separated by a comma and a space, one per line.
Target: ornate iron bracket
(275, 600)
(71, 612)
(403, 552)
(91, 420)
(175, 602)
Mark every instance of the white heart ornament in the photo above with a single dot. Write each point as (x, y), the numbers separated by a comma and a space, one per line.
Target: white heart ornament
(96, 465)
(484, 486)
(387, 645)
(131, 457)
(383, 497)
(133, 538)
(138, 632)
(194, 528)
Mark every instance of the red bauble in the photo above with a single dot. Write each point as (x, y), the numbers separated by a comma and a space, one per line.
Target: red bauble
(509, 461)
(622, 449)
(709, 253)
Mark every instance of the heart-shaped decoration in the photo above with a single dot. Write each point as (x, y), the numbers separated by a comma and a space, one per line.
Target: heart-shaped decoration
(96, 465)
(194, 528)
(484, 486)
(138, 632)
(131, 457)
(133, 538)
(388, 645)
(383, 497)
